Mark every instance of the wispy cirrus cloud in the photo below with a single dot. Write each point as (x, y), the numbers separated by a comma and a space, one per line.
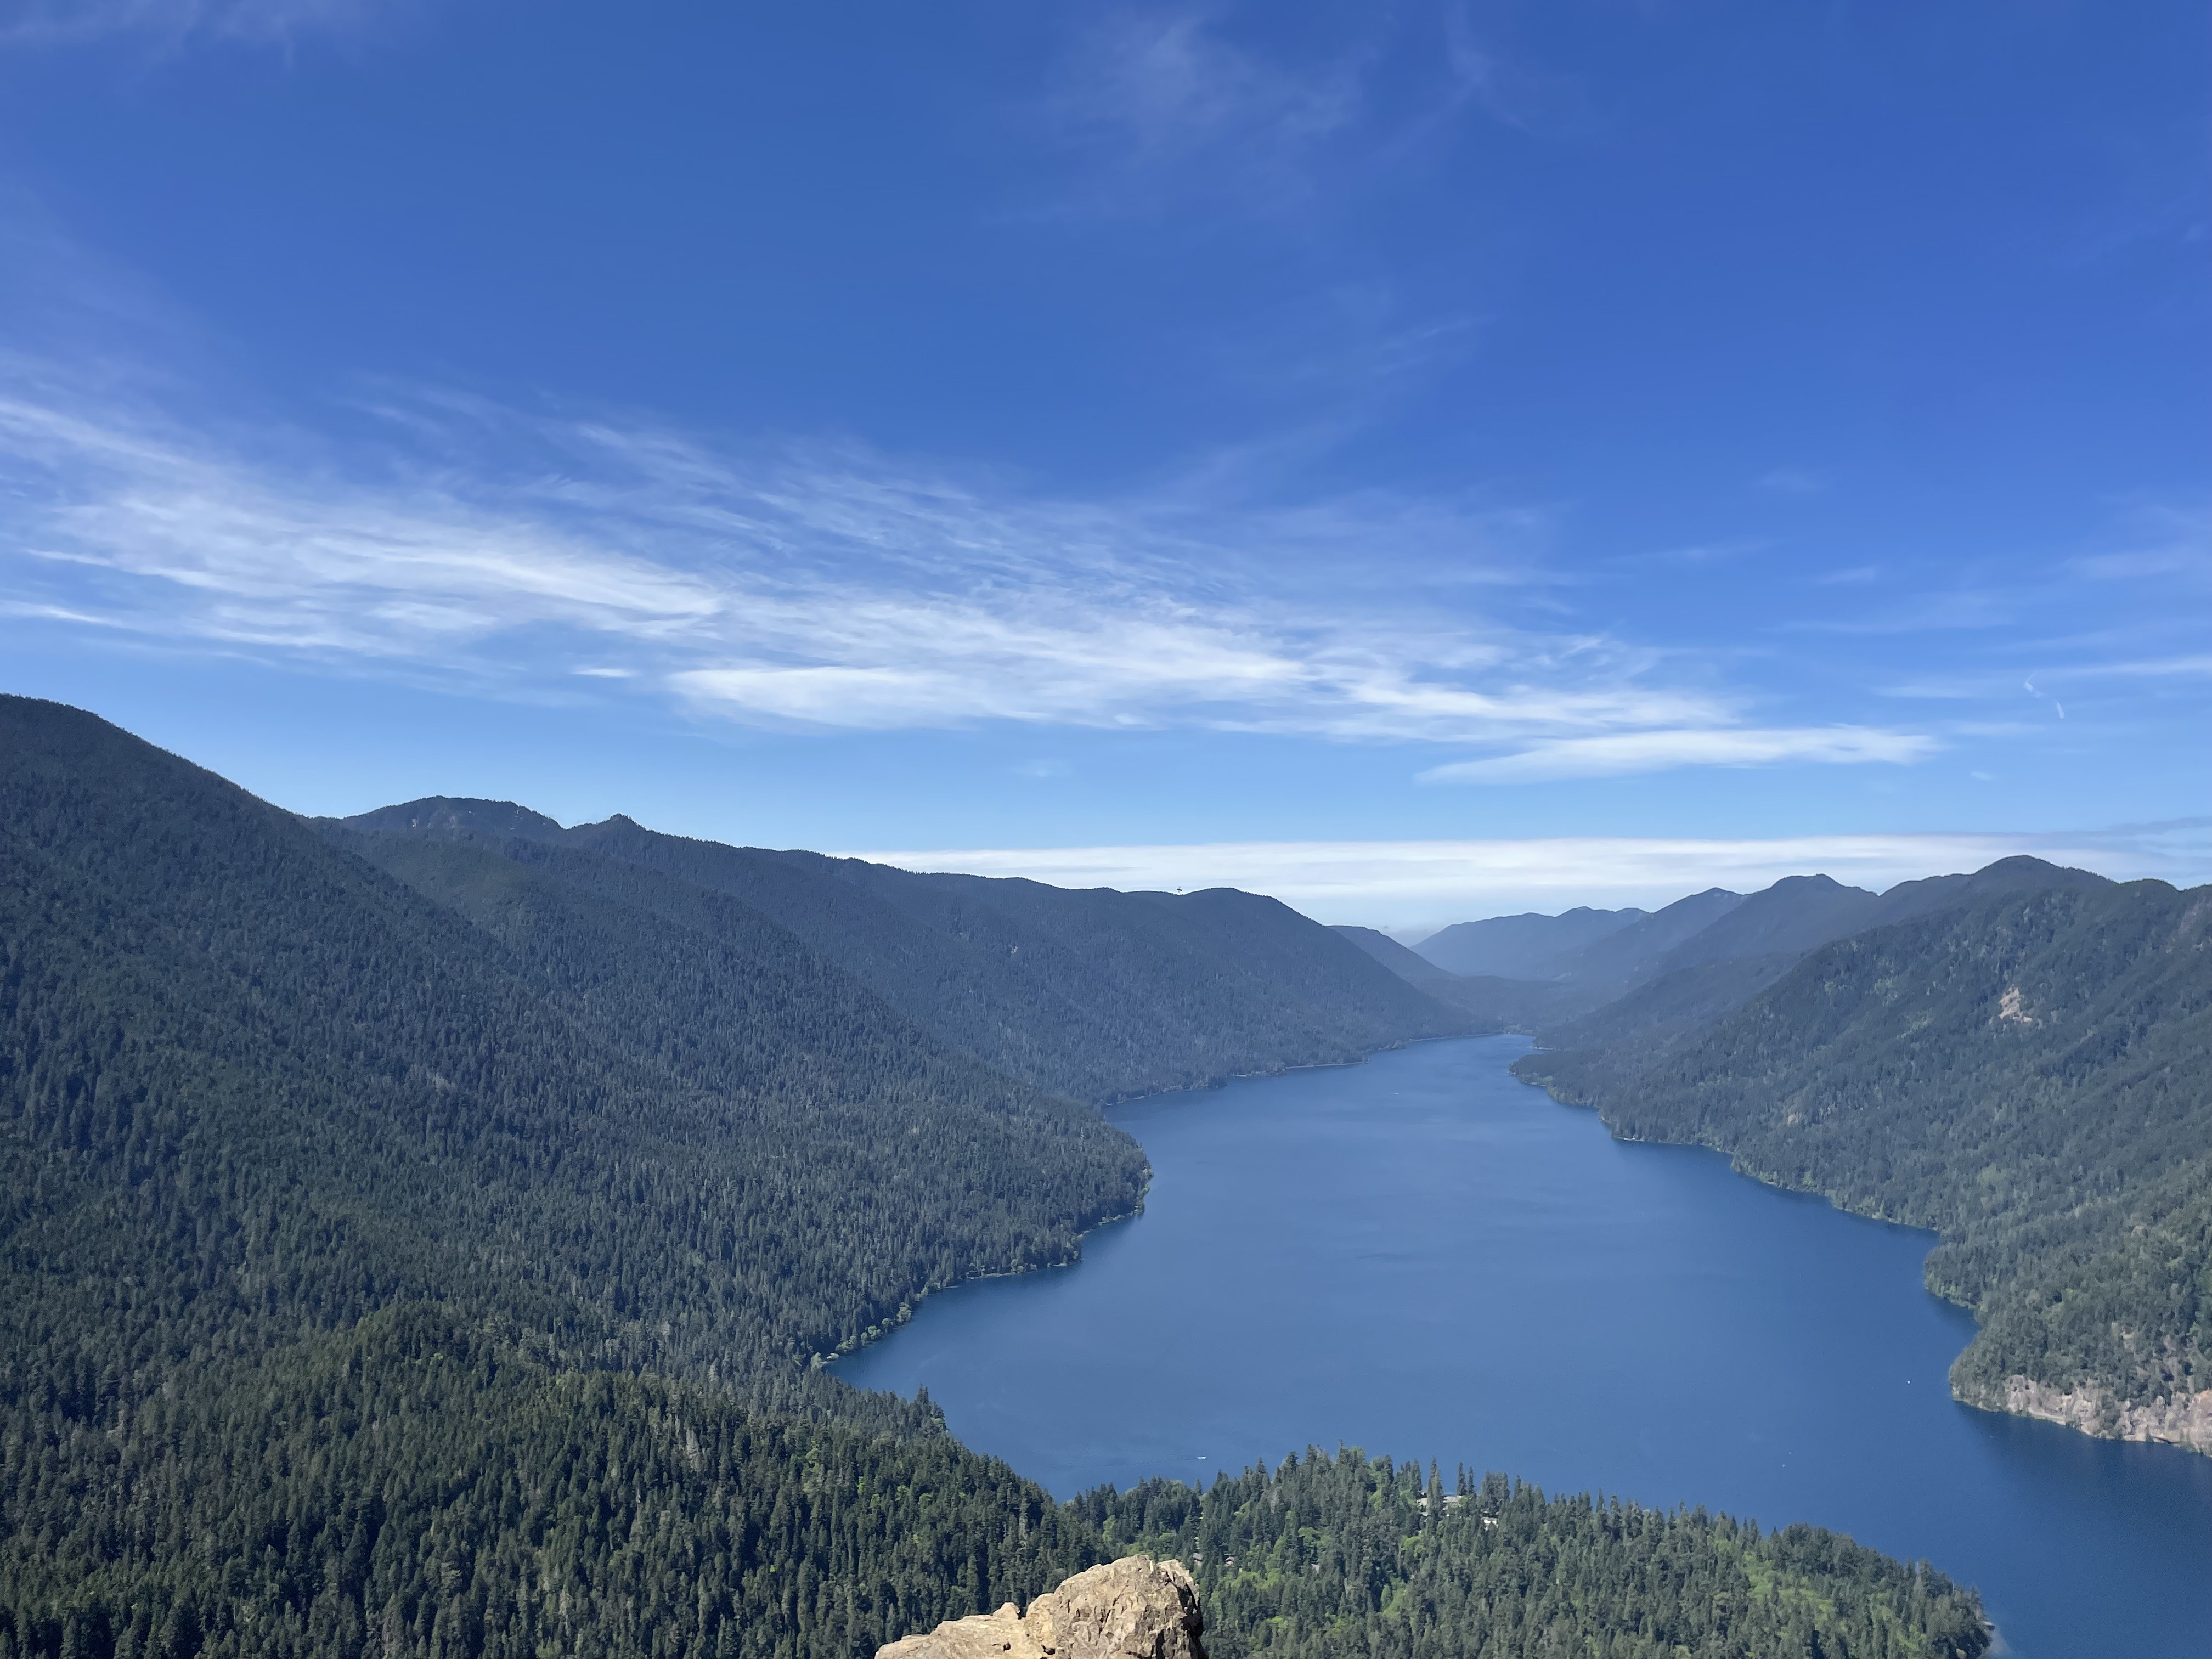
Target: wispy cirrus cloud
(1510, 87)
(2172, 548)
(1167, 83)
(1169, 102)
(1618, 754)
(31, 23)
(1161, 103)
(829, 588)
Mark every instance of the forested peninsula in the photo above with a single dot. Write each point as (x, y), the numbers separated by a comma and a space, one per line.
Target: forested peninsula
(2029, 1074)
(419, 1236)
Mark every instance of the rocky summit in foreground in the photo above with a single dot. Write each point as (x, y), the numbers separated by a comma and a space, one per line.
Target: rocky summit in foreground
(1133, 1608)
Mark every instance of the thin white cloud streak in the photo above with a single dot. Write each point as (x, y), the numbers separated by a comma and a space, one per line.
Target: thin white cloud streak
(2176, 549)
(1164, 105)
(2196, 667)
(1509, 89)
(171, 22)
(1166, 84)
(1621, 754)
(1414, 884)
(826, 590)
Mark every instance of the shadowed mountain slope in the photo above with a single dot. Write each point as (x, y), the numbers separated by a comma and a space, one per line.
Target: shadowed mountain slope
(1797, 915)
(290, 1152)
(1409, 965)
(1666, 1009)
(1530, 946)
(1091, 993)
(1640, 949)
(1486, 1002)
(275, 1068)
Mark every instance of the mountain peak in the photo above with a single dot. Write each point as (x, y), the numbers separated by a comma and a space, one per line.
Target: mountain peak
(1809, 884)
(461, 816)
(2027, 867)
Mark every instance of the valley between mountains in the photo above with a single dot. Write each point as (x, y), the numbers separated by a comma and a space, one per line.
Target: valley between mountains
(424, 1232)
(2019, 1059)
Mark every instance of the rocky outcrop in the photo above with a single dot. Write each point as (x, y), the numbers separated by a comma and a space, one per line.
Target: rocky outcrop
(2179, 1420)
(1133, 1608)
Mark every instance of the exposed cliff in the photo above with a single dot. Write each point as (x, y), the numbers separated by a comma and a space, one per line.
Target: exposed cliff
(1133, 1608)
(2179, 1420)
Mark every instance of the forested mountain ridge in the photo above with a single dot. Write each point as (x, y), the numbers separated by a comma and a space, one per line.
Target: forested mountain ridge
(1655, 979)
(1798, 914)
(1720, 966)
(2029, 1074)
(200, 988)
(1527, 946)
(1410, 966)
(420, 1250)
(253, 1093)
(1091, 994)
(1640, 950)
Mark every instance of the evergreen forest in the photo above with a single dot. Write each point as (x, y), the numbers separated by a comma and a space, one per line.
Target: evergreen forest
(1344, 1555)
(2028, 1075)
(429, 1244)
(1093, 995)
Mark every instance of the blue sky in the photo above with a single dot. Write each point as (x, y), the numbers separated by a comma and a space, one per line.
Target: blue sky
(1421, 459)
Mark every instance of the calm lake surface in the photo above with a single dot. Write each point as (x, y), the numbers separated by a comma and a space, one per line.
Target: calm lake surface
(1426, 1257)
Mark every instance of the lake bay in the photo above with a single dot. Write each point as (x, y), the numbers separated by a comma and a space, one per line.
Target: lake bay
(1426, 1257)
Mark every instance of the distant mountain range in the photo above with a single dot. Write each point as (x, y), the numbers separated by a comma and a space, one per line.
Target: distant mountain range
(1529, 946)
(1694, 959)
(1486, 1003)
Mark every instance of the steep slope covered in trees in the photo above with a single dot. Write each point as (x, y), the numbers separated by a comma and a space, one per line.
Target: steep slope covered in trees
(2032, 1075)
(1527, 946)
(1091, 994)
(225, 1038)
(338, 1223)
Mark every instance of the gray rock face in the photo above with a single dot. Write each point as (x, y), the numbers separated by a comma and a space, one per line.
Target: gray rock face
(1133, 1608)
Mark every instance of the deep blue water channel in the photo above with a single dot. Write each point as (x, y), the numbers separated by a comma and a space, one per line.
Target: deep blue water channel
(1426, 1257)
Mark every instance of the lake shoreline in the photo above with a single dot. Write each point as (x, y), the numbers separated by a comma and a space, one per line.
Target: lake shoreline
(2186, 1425)
(1640, 1321)
(822, 1361)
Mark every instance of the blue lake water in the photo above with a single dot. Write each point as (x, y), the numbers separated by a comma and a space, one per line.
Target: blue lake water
(1426, 1257)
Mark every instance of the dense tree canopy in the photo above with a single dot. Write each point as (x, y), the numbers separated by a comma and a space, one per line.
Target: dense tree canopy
(1344, 1556)
(2032, 1075)
(413, 1246)
(1091, 993)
